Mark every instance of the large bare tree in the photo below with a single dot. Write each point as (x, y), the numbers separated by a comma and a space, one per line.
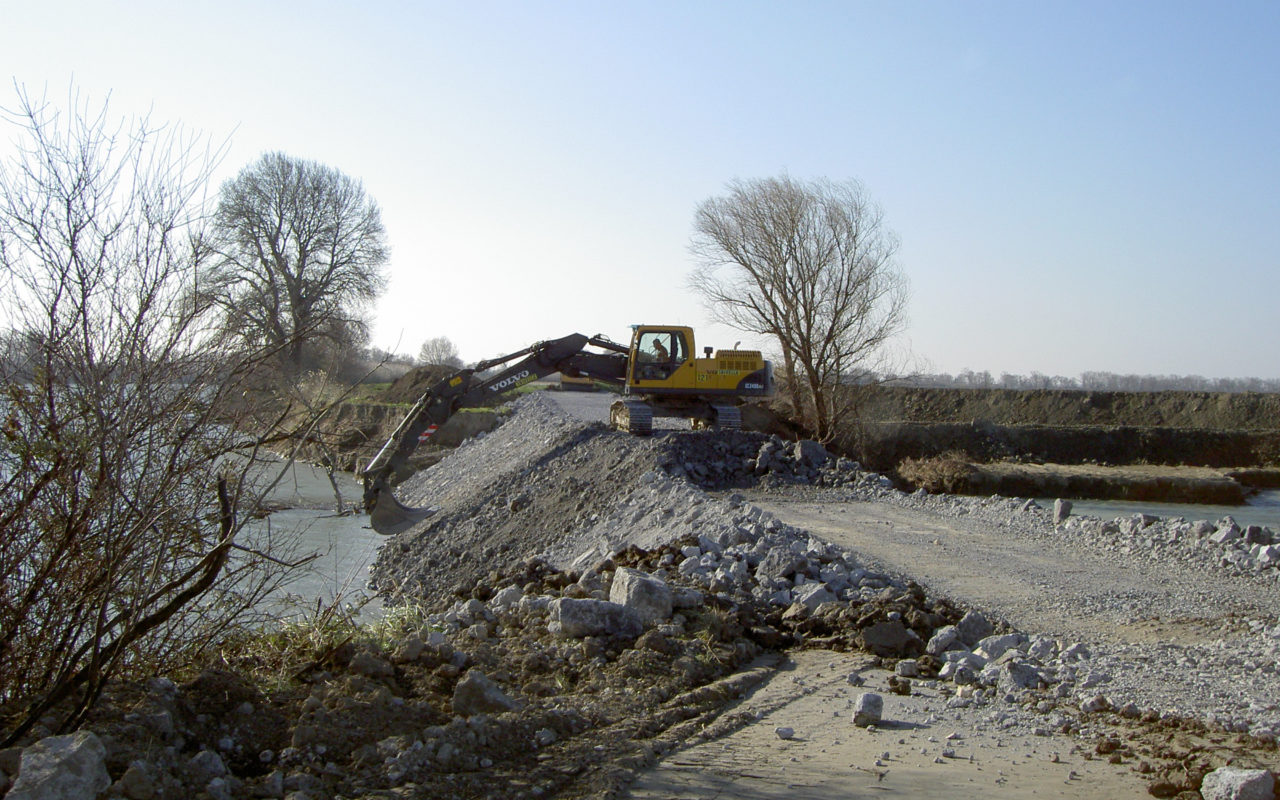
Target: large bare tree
(301, 253)
(123, 478)
(439, 351)
(811, 264)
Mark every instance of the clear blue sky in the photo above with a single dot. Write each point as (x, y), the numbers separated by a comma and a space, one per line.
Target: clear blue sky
(1077, 186)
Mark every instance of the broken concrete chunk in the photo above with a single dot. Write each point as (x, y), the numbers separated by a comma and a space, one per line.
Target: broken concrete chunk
(62, 766)
(992, 647)
(686, 597)
(1256, 534)
(1230, 783)
(778, 564)
(810, 453)
(1095, 703)
(641, 592)
(473, 611)
(506, 598)
(1017, 676)
(476, 694)
(1269, 555)
(973, 627)
(867, 709)
(944, 639)
(1061, 510)
(579, 618)
(812, 595)
(1228, 534)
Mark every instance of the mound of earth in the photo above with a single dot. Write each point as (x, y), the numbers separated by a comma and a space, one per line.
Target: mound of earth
(410, 386)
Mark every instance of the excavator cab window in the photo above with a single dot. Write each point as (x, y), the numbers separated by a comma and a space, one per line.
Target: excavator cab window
(659, 354)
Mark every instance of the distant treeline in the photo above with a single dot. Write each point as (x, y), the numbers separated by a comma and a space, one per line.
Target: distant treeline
(1088, 381)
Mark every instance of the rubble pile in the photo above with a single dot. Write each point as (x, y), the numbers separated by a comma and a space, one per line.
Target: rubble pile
(734, 459)
(1224, 544)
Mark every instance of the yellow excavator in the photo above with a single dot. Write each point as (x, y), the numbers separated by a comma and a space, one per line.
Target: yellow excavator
(659, 374)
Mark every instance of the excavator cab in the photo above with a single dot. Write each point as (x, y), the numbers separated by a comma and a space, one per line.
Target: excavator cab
(659, 355)
(663, 363)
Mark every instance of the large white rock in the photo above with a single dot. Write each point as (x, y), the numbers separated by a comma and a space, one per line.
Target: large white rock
(644, 594)
(1269, 555)
(1061, 510)
(810, 453)
(867, 709)
(1229, 783)
(992, 647)
(62, 768)
(944, 639)
(812, 595)
(1015, 676)
(973, 626)
(578, 618)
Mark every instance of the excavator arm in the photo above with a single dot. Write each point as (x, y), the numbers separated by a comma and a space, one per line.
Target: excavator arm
(464, 390)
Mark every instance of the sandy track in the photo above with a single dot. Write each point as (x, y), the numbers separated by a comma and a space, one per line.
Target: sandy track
(904, 757)
(1042, 585)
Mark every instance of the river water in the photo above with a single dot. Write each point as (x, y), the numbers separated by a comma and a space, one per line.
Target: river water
(1263, 508)
(346, 544)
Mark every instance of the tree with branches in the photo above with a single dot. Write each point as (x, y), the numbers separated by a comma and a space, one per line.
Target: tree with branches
(301, 251)
(812, 265)
(125, 472)
(439, 351)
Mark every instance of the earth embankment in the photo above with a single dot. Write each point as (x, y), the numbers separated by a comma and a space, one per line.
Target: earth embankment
(994, 431)
(1219, 411)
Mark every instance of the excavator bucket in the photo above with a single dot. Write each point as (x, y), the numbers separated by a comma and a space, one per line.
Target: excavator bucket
(389, 516)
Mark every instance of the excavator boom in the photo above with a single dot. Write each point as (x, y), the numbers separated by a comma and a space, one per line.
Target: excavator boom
(464, 390)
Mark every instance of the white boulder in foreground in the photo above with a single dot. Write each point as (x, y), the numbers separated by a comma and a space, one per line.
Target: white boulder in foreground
(1229, 783)
(62, 767)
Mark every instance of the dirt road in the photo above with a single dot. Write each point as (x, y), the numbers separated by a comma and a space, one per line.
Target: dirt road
(909, 755)
(1046, 585)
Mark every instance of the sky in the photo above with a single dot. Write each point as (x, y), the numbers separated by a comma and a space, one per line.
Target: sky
(1076, 186)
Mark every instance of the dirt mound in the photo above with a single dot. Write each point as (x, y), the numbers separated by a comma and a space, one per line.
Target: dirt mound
(413, 384)
(573, 493)
(498, 524)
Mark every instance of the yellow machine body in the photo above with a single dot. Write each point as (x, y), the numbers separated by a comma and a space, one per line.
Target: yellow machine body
(663, 361)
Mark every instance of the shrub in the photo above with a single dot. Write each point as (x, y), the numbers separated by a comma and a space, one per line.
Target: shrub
(948, 473)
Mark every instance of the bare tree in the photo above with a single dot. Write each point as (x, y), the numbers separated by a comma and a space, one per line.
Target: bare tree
(123, 477)
(439, 351)
(812, 265)
(301, 251)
